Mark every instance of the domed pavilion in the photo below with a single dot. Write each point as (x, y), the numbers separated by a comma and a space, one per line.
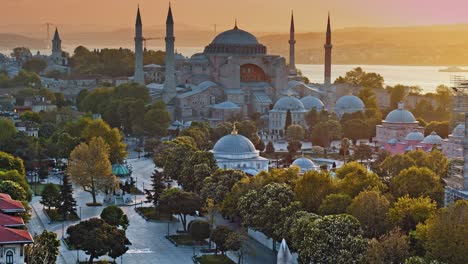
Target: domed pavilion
(237, 152)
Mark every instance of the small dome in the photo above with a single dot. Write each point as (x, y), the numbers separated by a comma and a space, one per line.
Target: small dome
(226, 105)
(392, 141)
(305, 164)
(459, 131)
(235, 37)
(310, 102)
(179, 56)
(433, 139)
(289, 103)
(349, 104)
(120, 170)
(400, 115)
(415, 136)
(234, 144)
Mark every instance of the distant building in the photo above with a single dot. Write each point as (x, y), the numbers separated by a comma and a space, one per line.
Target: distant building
(59, 59)
(453, 145)
(277, 115)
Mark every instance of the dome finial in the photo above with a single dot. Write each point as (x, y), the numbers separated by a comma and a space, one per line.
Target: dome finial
(234, 129)
(401, 105)
(235, 24)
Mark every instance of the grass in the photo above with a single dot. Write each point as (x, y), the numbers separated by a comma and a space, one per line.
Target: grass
(215, 259)
(155, 215)
(183, 240)
(39, 187)
(55, 216)
(135, 191)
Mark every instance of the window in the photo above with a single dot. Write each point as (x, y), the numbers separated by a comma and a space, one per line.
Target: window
(9, 257)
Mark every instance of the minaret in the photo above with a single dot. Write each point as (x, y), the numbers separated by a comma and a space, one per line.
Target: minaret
(292, 43)
(169, 91)
(328, 49)
(139, 76)
(56, 43)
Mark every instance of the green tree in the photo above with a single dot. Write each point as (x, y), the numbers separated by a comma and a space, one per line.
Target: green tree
(9, 162)
(393, 165)
(114, 216)
(197, 166)
(373, 224)
(324, 132)
(89, 166)
(270, 149)
(356, 178)
(362, 152)
(35, 65)
(31, 116)
(335, 203)
(199, 230)
(312, 118)
(392, 247)
(14, 190)
(345, 146)
(445, 234)
(68, 203)
(220, 236)
(14, 176)
(294, 146)
(295, 132)
(358, 77)
(153, 194)
(288, 121)
(261, 209)
(417, 182)
(8, 131)
(312, 188)
(182, 203)
(218, 184)
(397, 94)
(172, 154)
(407, 212)
(97, 238)
(50, 196)
(44, 250)
(157, 119)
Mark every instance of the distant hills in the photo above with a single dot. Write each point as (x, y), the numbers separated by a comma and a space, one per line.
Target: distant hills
(418, 45)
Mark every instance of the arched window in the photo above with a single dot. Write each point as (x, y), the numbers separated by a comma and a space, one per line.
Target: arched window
(9, 257)
(252, 73)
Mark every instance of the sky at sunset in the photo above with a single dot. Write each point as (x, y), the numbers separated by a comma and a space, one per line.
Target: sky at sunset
(255, 15)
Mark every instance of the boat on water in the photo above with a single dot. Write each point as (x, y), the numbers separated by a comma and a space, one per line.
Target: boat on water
(453, 69)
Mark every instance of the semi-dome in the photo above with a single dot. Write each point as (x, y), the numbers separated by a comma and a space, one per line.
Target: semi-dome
(459, 131)
(400, 115)
(349, 104)
(235, 36)
(305, 164)
(310, 102)
(415, 136)
(289, 103)
(433, 139)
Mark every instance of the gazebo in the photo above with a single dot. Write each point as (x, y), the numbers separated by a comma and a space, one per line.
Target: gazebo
(120, 170)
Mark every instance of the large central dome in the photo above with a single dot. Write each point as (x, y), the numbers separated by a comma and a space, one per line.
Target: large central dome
(235, 36)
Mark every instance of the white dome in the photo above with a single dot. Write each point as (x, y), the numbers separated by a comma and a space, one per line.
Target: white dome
(305, 164)
(349, 104)
(433, 139)
(415, 136)
(310, 102)
(234, 146)
(289, 103)
(226, 105)
(459, 131)
(235, 37)
(400, 116)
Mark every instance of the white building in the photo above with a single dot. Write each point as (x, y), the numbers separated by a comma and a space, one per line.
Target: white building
(305, 165)
(277, 116)
(237, 152)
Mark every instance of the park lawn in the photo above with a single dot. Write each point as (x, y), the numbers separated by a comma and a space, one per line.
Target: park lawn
(54, 216)
(37, 190)
(155, 215)
(215, 259)
(183, 240)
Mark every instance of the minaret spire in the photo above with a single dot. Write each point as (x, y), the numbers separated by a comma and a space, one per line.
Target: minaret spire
(139, 76)
(57, 43)
(169, 91)
(328, 49)
(235, 24)
(292, 43)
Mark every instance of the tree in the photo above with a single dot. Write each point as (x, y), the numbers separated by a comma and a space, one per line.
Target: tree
(416, 182)
(445, 235)
(68, 203)
(295, 132)
(332, 239)
(288, 121)
(8, 131)
(198, 166)
(362, 152)
(14, 176)
(358, 77)
(335, 203)
(182, 203)
(50, 196)
(261, 209)
(270, 149)
(35, 65)
(97, 238)
(114, 216)
(345, 145)
(14, 190)
(218, 184)
(153, 195)
(375, 223)
(397, 94)
(312, 118)
(294, 146)
(31, 116)
(312, 188)
(89, 166)
(44, 250)
(156, 120)
(356, 178)
(407, 212)
(199, 230)
(9, 162)
(392, 247)
(324, 132)
(220, 236)
(393, 165)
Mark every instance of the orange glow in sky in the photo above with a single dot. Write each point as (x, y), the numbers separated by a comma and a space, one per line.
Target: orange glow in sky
(256, 15)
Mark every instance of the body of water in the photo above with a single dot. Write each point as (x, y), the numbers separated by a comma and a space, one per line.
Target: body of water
(427, 77)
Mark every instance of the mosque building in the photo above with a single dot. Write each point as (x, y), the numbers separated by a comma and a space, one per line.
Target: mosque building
(453, 145)
(235, 151)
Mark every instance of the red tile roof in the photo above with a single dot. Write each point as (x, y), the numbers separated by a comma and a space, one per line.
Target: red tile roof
(10, 221)
(14, 236)
(7, 205)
